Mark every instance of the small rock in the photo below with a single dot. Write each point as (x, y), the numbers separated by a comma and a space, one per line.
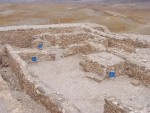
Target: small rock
(19, 99)
(135, 82)
(40, 90)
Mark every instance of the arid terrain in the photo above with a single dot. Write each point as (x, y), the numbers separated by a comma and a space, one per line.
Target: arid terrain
(73, 68)
(129, 18)
(74, 56)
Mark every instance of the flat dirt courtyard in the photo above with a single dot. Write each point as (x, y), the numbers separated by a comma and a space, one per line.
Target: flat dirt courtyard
(66, 77)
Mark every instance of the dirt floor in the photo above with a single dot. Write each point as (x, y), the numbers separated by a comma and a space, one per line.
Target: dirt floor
(13, 99)
(67, 78)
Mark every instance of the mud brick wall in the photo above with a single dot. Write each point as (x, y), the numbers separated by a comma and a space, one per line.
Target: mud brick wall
(138, 72)
(24, 37)
(92, 66)
(41, 93)
(114, 105)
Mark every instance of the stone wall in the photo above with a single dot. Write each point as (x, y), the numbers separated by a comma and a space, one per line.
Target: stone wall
(100, 64)
(102, 28)
(114, 105)
(65, 40)
(41, 93)
(24, 37)
(126, 43)
(134, 66)
(51, 39)
(138, 72)
(3, 57)
(39, 54)
(84, 48)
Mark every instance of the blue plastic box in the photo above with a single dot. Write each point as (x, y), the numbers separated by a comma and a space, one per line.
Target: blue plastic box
(40, 46)
(111, 74)
(34, 59)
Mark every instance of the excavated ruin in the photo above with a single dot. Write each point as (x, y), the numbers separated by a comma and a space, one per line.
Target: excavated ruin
(67, 67)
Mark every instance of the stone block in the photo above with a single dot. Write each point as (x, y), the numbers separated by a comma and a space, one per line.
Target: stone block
(135, 82)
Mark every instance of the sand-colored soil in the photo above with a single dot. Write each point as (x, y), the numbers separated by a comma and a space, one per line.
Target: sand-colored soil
(118, 18)
(66, 77)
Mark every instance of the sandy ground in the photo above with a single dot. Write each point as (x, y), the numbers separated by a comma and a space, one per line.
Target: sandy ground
(131, 18)
(67, 77)
(12, 99)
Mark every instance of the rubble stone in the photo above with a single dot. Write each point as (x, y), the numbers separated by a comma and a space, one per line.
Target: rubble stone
(135, 82)
(114, 105)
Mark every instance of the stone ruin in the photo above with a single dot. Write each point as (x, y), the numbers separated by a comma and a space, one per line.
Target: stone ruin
(93, 51)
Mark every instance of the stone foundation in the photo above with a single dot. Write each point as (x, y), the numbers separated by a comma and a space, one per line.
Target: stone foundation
(138, 72)
(127, 43)
(114, 105)
(39, 54)
(65, 40)
(85, 48)
(41, 93)
(22, 36)
(102, 63)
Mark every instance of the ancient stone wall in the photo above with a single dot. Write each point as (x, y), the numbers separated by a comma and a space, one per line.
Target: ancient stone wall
(41, 93)
(114, 105)
(68, 39)
(134, 66)
(103, 29)
(95, 63)
(84, 48)
(138, 72)
(39, 54)
(24, 37)
(126, 43)
(65, 40)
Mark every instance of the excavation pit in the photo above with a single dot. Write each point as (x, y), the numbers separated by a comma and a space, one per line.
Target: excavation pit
(61, 81)
(58, 81)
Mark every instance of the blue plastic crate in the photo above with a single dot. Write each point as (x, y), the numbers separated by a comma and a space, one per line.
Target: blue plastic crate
(34, 59)
(40, 46)
(111, 74)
